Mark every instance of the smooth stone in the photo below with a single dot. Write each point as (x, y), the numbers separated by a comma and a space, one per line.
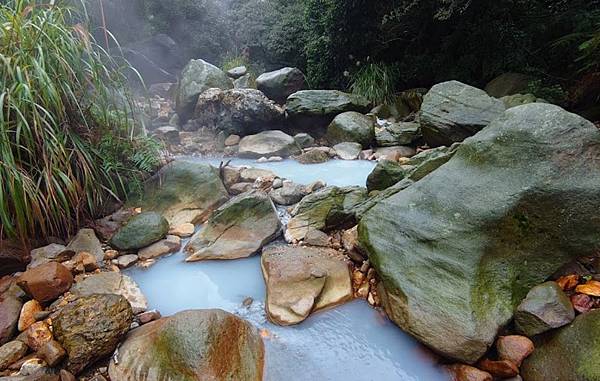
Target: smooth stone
(514, 348)
(237, 72)
(288, 194)
(191, 345)
(268, 143)
(170, 244)
(452, 111)
(182, 230)
(125, 261)
(47, 282)
(313, 156)
(546, 307)
(141, 231)
(238, 229)
(52, 352)
(301, 280)
(91, 327)
(112, 283)
(463, 372)
(280, 84)
(184, 192)
(316, 237)
(304, 140)
(394, 153)
(10, 310)
(250, 175)
(348, 150)
(397, 134)
(232, 140)
(28, 312)
(351, 127)
(324, 103)
(37, 335)
(385, 174)
(498, 369)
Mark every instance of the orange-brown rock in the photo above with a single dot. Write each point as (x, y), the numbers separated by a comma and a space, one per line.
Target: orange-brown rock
(499, 368)
(514, 348)
(28, 313)
(462, 372)
(37, 335)
(47, 282)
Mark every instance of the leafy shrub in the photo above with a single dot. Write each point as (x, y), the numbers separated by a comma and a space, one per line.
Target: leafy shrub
(67, 133)
(376, 82)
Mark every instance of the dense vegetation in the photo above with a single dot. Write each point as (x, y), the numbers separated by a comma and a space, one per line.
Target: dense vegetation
(68, 139)
(414, 42)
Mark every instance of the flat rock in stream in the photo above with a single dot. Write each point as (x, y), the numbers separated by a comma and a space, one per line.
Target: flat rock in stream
(237, 229)
(191, 345)
(460, 248)
(301, 280)
(184, 192)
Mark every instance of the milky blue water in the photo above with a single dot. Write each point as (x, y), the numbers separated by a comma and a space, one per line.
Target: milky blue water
(352, 342)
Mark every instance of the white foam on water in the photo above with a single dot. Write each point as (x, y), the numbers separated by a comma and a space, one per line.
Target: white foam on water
(351, 342)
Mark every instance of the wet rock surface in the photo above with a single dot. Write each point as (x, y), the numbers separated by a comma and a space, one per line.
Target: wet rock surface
(446, 229)
(237, 229)
(301, 280)
(191, 345)
(91, 327)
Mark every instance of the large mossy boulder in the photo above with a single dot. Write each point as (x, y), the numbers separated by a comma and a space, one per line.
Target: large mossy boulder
(91, 327)
(184, 192)
(328, 208)
(317, 108)
(237, 111)
(267, 144)
(569, 353)
(238, 229)
(459, 249)
(189, 346)
(353, 127)
(198, 76)
(278, 85)
(140, 231)
(452, 111)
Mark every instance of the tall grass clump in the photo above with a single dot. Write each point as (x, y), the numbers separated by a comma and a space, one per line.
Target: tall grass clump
(376, 82)
(66, 122)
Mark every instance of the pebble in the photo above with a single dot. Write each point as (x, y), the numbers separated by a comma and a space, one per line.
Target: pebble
(514, 348)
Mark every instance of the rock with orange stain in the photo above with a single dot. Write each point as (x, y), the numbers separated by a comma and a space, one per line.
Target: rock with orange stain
(462, 372)
(301, 280)
(37, 335)
(499, 368)
(28, 313)
(191, 345)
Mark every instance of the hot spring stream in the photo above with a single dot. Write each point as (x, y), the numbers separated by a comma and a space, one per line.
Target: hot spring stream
(352, 342)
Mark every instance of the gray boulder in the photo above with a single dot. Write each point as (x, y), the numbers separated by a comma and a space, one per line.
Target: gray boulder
(288, 194)
(317, 108)
(237, 111)
(304, 140)
(569, 353)
(184, 192)
(237, 72)
(546, 307)
(85, 240)
(351, 127)
(394, 134)
(141, 231)
(268, 144)
(452, 111)
(237, 229)
(191, 345)
(280, 84)
(246, 81)
(385, 174)
(348, 150)
(197, 76)
(326, 209)
(460, 248)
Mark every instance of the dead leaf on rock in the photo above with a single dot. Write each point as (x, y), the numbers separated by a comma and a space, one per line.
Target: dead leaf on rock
(592, 288)
(568, 282)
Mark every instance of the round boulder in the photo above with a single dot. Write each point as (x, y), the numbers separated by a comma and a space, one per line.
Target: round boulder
(351, 127)
(280, 84)
(191, 345)
(141, 231)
